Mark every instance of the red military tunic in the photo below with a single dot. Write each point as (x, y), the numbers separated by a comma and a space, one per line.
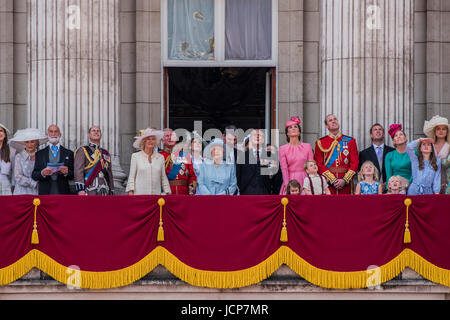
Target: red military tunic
(337, 158)
(184, 178)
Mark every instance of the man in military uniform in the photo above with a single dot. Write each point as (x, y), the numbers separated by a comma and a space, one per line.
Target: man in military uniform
(337, 157)
(179, 168)
(92, 166)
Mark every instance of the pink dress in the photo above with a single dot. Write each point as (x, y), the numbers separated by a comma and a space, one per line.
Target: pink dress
(292, 160)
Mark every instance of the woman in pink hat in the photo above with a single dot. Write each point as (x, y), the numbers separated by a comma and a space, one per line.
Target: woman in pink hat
(294, 154)
(397, 162)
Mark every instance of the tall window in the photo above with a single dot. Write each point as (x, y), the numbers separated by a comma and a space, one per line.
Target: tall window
(219, 32)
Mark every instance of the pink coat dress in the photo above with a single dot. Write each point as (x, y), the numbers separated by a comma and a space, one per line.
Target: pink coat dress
(292, 160)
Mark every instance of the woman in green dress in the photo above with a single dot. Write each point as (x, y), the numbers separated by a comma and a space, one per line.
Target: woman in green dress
(397, 162)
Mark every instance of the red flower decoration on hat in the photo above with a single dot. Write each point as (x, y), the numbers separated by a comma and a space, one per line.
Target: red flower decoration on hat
(393, 128)
(293, 121)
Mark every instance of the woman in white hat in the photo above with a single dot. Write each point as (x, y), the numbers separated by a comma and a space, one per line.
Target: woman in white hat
(5, 162)
(216, 176)
(147, 169)
(438, 130)
(26, 142)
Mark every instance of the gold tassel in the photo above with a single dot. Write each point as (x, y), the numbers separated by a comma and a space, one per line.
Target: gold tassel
(407, 234)
(283, 236)
(160, 233)
(34, 235)
(160, 237)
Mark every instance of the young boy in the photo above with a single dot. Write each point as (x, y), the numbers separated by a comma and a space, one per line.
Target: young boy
(314, 183)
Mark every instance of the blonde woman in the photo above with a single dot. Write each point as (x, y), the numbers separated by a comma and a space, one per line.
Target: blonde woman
(147, 170)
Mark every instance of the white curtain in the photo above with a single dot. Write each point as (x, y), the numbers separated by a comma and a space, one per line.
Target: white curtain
(191, 29)
(248, 30)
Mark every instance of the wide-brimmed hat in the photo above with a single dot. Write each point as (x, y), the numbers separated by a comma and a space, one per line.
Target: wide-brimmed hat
(429, 126)
(145, 133)
(5, 128)
(29, 134)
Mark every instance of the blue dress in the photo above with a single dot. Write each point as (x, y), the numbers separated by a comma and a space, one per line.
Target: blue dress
(367, 188)
(219, 180)
(426, 181)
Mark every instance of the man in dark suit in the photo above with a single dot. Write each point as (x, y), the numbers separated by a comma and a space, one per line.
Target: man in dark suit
(53, 167)
(252, 175)
(377, 151)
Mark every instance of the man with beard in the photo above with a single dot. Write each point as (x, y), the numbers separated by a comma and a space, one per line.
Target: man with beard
(337, 157)
(179, 168)
(377, 151)
(53, 167)
(93, 167)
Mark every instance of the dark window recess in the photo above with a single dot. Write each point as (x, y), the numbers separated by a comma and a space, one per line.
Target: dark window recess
(217, 97)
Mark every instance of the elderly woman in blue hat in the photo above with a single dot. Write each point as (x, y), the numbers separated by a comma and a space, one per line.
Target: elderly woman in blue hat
(216, 176)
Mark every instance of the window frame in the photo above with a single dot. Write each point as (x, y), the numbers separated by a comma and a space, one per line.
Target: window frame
(219, 40)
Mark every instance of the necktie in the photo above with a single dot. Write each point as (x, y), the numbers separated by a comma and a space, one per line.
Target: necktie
(379, 155)
(55, 151)
(257, 156)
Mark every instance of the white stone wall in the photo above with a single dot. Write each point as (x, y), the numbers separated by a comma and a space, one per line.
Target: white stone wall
(73, 68)
(137, 84)
(437, 57)
(6, 63)
(367, 65)
(290, 61)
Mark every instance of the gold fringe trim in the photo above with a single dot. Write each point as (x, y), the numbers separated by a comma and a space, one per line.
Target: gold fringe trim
(18, 269)
(428, 270)
(225, 279)
(345, 280)
(222, 279)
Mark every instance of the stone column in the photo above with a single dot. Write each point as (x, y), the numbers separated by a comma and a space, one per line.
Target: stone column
(6, 63)
(437, 58)
(148, 64)
(20, 65)
(127, 121)
(367, 64)
(290, 62)
(73, 70)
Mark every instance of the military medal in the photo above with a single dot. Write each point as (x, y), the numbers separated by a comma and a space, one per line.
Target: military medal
(346, 161)
(345, 152)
